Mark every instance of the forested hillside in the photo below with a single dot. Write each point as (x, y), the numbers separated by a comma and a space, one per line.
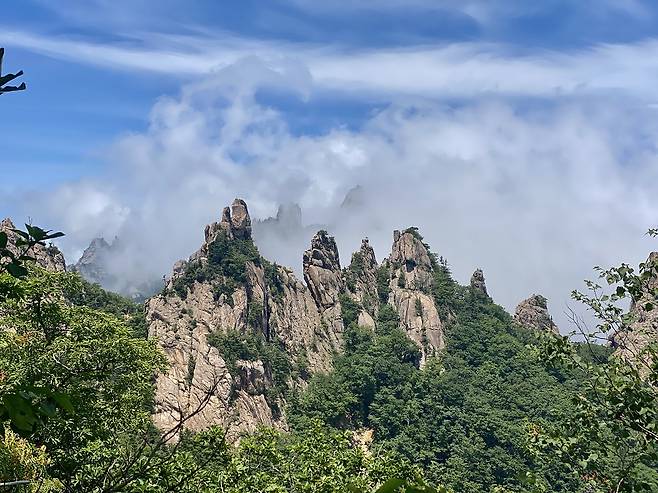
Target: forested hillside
(386, 376)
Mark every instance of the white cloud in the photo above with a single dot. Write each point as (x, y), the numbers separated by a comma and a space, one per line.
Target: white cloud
(456, 70)
(535, 198)
(484, 12)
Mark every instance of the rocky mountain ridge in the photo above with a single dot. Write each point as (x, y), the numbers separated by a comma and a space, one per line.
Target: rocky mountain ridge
(227, 292)
(240, 332)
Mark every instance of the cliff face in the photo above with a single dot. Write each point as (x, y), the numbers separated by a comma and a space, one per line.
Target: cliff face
(478, 283)
(324, 279)
(225, 288)
(49, 257)
(226, 296)
(411, 269)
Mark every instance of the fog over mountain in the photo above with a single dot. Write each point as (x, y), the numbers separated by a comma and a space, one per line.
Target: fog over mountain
(534, 198)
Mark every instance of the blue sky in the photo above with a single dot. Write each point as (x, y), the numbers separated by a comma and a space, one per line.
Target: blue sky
(516, 134)
(76, 104)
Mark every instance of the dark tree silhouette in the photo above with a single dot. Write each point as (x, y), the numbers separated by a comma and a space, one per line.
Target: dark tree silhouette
(4, 79)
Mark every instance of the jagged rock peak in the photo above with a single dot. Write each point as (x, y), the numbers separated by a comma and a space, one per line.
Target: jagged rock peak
(322, 269)
(410, 284)
(355, 198)
(410, 260)
(289, 215)
(91, 264)
(478, 283)
(48, 257)
(323, 252)
(533, 313)
(367, 255)
(408, 248)
(95, 248)
(235, 222)
(240, 220)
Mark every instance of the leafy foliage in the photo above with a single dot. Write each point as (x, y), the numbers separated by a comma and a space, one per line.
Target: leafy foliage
(349, 309)
(611, 439)
(371, 363)
(354, 270)
(226, 264)
(12, 260)
(461, 417)
(85, 361)
(317, 459)
(83, 293)
(273, 280)
(383, 277)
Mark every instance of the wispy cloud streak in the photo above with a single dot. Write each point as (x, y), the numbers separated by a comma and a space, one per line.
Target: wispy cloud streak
(447, 70)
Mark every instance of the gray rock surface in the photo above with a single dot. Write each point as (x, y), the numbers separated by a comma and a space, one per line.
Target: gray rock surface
(322, 270)
(533, 313)
(324, 278)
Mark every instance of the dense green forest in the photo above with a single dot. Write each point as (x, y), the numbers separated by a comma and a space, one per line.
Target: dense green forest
(501, 409)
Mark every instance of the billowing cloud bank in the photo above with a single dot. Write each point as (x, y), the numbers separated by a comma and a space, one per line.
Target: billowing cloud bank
(535, 194)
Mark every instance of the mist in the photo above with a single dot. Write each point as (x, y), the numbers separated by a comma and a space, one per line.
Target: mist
(534, 193)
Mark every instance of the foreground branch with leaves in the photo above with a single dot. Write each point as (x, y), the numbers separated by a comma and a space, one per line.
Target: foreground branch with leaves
(611, 441)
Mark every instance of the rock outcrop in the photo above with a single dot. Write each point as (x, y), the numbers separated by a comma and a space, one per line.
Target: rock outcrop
(47, 256)
(533, 313)
(235, 223)
(92, 265)
(477, 282)
(361, 283)
(264, 300)
(411, 270)
(322, 270)
(324, 278)
(288, 219)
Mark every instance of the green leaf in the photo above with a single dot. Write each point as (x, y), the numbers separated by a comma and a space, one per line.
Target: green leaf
(21, 233)
(7, 253)
(36, 232)
(16, 270)
(20, 412)
(50, 236)
(3, 239)
(48, 408)
(63, 401)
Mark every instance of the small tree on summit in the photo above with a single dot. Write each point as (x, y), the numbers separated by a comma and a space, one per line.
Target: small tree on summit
(4, 79)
